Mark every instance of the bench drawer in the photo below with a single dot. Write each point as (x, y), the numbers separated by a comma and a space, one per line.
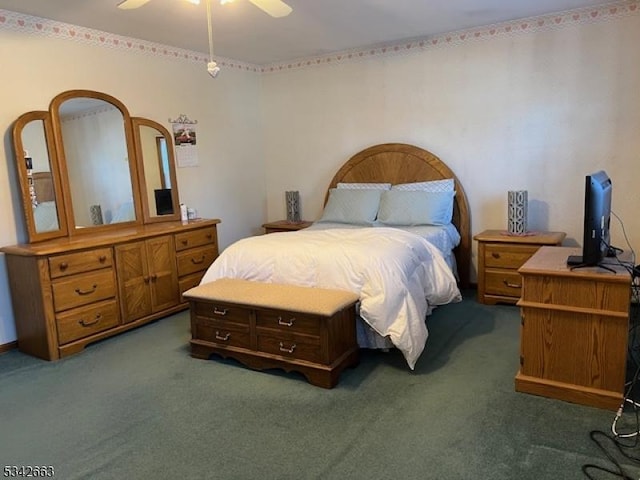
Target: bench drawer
(292, 348)
(222, 333)
(287, 322)
(222, 312)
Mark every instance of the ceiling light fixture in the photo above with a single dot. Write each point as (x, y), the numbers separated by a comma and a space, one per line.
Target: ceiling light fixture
(212, 66)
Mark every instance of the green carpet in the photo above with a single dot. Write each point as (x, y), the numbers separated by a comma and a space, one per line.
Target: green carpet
(137, 406)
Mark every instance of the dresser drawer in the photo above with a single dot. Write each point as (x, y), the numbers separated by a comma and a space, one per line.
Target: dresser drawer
(196, 238)
(83, 289)
(288, 322)
(79, 262)
(85, 321)
(222, 333)
(188, 282)
(290, 347)
(498, 255)
(503, 282)
(223, 312)
(196, 260)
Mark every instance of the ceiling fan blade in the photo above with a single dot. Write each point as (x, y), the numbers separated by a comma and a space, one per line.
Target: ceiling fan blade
(275, 8)
(130, 4)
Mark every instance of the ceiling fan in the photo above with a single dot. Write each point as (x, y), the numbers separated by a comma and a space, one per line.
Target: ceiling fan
(275, 8)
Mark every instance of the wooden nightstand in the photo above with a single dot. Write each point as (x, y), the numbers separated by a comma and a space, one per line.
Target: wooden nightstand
(285, 226)
(499, 257)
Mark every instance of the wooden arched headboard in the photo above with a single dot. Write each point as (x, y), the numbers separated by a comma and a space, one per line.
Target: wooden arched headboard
(401, 163)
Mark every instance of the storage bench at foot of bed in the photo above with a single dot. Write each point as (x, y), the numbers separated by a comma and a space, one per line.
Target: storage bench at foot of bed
(264, 325)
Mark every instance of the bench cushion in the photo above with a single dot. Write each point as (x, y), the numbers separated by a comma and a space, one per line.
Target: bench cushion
(293, 298)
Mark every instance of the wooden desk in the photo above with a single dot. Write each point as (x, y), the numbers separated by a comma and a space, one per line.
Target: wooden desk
(573, 343)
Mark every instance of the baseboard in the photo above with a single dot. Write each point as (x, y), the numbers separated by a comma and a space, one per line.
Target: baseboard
(4, 348)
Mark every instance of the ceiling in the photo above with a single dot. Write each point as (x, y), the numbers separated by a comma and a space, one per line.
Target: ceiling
(315, 27)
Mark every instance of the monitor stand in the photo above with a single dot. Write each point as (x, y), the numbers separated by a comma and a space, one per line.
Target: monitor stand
(576, 261)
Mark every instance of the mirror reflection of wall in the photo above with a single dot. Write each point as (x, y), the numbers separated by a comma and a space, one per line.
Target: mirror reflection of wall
(45, 213)
(157, 174)
(95, 149)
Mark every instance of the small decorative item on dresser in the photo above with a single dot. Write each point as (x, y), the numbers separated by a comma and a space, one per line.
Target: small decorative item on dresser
(293, 206)
(517, 201)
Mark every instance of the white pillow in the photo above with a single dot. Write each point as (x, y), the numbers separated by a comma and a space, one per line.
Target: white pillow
(446, 185)
(351, 206)
(365, 186)
(415, 207)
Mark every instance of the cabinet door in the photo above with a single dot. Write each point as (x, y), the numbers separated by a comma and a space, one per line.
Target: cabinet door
(147, 277)
(164, 273)
(133, 281)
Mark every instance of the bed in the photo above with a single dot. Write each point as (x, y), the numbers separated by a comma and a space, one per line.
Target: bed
(399, 275)
(45, 212)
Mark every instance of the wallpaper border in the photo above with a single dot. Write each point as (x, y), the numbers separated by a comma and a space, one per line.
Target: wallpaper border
(41, 26)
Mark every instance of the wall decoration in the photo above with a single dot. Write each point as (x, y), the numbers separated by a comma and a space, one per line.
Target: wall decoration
(184, 138)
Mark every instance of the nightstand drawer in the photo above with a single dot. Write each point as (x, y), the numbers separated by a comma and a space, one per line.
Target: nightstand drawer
(500, 255)
(503, 282)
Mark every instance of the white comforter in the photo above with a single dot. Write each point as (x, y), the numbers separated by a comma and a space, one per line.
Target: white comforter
(398, 276)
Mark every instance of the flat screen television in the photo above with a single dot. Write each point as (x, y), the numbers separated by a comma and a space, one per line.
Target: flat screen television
(597, 216)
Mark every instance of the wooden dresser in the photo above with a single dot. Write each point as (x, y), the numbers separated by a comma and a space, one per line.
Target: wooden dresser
(70, 292)
(573, 343)
(499, 257)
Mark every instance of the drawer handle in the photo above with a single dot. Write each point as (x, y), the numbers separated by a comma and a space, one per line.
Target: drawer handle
(185, 242)
(88, 324)
(287, 350)
(193, 260)
(218, 311)
(495, 255)
(511, 285)
(209, 236)
(224, 338)
(64, 266)
(102, 259)
(285, 323)
(87, 292)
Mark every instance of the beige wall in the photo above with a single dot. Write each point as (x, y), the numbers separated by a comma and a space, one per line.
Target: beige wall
(228, 184)
(528, 111)
(533, 110)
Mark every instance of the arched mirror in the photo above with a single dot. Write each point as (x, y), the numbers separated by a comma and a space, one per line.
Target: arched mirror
(157, 171)
(38, 174)
(95, 146)
(86, 166)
